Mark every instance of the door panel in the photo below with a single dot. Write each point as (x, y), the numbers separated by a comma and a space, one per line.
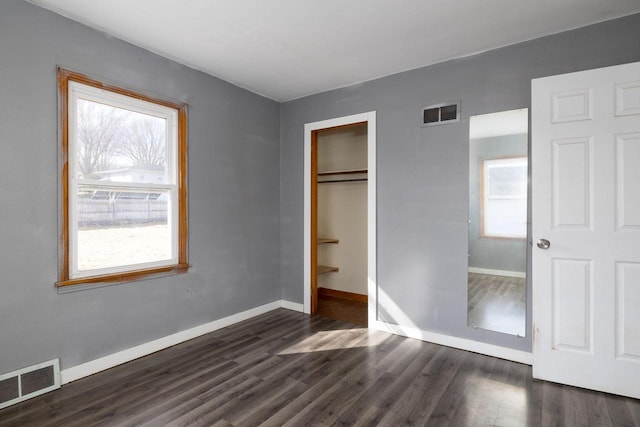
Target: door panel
(586, 203)
(628, 99)
(571, 182)
(572, 314)
(628, 177)
(571, 106)
(628, 316)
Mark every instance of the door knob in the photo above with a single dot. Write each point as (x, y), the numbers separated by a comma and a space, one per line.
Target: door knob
(543, 243)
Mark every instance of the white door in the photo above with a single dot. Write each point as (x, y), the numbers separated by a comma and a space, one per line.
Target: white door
(586, 204)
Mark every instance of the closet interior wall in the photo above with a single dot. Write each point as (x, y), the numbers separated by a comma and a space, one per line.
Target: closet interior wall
(342, 208)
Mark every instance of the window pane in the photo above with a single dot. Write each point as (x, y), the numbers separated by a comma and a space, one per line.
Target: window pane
(508, 181)
(505, 197)
(119, 145)
(117, 228)
(506, 218)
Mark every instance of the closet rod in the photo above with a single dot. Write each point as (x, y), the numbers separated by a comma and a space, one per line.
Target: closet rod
(343, 172)
(343, 180)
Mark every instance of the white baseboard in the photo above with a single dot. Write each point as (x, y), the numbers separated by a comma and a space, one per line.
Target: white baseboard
(505, 273)
(89, 368)
(292, 306)
(106, 362)
(460, 343)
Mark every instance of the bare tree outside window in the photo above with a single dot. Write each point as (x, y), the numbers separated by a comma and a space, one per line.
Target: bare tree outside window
(119, 145)
(99, 127)
(143, 141)
(112, 137)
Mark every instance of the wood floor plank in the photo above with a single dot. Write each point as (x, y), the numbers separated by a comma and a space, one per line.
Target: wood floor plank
(271, 405)
(177, 374)
(212, 403)
(585, 408)
(552, 407)
(190, 395)
(533, 390)
(336, 400)
(423, 398)
(386, 399)
(634, 408)
(287, 368)
(362, 408)
(619, 412)
(471, 383)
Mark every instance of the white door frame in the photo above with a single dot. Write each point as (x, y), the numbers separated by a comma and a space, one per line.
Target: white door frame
(309, 128)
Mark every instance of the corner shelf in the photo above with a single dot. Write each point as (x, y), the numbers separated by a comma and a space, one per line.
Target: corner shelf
(321, 269)
(325, 240)
(326, 269)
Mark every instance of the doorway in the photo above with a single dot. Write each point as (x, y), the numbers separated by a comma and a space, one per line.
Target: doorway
(342, 175)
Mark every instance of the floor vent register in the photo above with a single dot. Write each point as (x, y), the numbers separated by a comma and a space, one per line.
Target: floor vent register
(29, 382)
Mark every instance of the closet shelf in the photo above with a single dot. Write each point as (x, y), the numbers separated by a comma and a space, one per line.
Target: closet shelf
(324, 240)
(326, 269)
(342, 172)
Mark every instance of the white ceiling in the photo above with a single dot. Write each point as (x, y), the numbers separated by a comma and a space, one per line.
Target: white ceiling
(287, 49)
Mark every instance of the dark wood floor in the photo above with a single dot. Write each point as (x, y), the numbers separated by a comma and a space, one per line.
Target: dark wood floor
(497, 303)
(286, 368)
(343, 309)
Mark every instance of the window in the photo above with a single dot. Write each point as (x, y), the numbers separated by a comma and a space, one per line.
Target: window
(124, 183)
(504, 199)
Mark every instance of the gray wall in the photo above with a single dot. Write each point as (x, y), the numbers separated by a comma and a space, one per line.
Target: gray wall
(492, 253)
(423, 171)
(233, 198)
(245, 247)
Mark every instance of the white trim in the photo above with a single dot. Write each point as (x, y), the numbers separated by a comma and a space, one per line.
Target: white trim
(505, 273)
(85, 369)
(372, 221)
(370, 118)
(56, 381)
(294, 306)
(455, 342)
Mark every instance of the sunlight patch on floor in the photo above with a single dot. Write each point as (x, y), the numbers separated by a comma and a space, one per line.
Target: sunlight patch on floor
(337, 340)
(496, 402)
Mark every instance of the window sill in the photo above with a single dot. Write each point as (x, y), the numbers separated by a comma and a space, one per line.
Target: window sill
(126, 276)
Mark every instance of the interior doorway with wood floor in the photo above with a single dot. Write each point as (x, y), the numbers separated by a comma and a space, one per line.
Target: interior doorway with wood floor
(339, 227)
(339, 222)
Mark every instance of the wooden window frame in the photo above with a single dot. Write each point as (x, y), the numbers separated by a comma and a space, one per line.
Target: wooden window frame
(64, 277)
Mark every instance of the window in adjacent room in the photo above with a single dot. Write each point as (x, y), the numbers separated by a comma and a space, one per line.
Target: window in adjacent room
(504, 201)
(124, 183)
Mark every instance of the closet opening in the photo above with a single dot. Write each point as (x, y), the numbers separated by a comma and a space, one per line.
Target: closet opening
(340, 218)
(339, 223)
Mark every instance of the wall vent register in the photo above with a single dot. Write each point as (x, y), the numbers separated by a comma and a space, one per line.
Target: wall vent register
(439, 114)
(29, 382)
